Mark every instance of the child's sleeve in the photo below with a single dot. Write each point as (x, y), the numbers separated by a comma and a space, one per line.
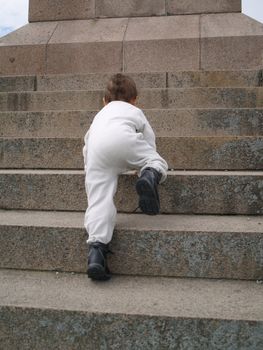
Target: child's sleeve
(85, 149)
(148, 132)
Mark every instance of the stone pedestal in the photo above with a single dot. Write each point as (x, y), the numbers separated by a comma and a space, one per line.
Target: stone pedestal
(142, 44)
(50, 10)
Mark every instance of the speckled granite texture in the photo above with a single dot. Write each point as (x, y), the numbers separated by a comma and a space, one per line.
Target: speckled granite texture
(184, 192)
(38, 329)
(174, 245)
(41, 310)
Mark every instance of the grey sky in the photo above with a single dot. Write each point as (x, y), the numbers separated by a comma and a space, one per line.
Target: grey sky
(14, 13)
(253, 8)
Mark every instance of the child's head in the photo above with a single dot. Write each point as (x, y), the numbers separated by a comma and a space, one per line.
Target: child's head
(121, 88)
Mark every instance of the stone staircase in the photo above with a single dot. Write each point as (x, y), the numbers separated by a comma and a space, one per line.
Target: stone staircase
(186, 279)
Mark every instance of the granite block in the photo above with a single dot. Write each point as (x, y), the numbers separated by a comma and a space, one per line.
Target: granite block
(180, 7)
(46, 310)
(148, 99)
(184, 192)
(222, 36)
(178, 37)
(165, 122)
(173, 245)
(129, 8)
(189, 153)
(50, 10)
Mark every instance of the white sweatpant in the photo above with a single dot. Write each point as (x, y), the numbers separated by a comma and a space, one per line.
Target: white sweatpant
(110, 150)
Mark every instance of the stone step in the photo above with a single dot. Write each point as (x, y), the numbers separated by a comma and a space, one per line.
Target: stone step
(235, 78)
(17, 83)
(48, 10)
(169, 245)
(189, 153)
(190, 42)
(149, 98)
(175, 7)
(45, 310)
(184, 192)
(56, 82)
(165, 122)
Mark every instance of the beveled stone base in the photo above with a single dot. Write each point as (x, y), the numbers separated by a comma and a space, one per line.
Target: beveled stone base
(152, 44)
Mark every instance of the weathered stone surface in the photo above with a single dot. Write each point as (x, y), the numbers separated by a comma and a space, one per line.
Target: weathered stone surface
(178, 37)
(84, 57)
(41, 290)
(41, 153)
(206, 122)
(212, 153)
(237, 78)
(129, 337)
(196, 251)
(183, 246)
(50, 10)
(84, 46)
(149, 98)
(27, 59)
(87, 46)
(17, 83)
(220, 53)
(184, 192)
(30, 34)
(202, 98)
(230, 25)
(96, 81)
(44, 241)
(180, 7)
(222, 36)
(23, 51)
(190, 153)
(129, 8)
(41, 101)
(60, 311)
(183, 79)
(46, 123)
(165, 122)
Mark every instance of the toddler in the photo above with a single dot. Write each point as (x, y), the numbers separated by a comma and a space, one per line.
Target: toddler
(120, 138)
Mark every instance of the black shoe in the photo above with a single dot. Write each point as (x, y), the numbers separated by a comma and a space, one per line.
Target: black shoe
(146, 187)
(97, 261)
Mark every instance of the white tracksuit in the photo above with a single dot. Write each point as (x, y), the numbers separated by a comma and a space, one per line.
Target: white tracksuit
(119, 139)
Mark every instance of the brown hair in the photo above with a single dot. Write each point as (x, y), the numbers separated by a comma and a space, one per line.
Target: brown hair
(120, 88)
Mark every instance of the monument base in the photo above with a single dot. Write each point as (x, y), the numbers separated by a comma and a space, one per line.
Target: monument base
(152, 44)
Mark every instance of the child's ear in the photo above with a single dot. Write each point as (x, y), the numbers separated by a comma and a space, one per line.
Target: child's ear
(104, 101)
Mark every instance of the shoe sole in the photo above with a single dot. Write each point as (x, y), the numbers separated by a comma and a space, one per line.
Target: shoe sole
(97, 272)
(148, 197)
